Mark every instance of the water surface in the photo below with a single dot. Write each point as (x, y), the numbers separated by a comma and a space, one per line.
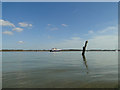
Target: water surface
(60, 70)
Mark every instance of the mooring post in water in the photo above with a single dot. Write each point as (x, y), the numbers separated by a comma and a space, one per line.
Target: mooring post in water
(84, 48)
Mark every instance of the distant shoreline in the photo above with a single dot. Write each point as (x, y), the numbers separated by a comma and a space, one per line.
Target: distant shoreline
(49, 50)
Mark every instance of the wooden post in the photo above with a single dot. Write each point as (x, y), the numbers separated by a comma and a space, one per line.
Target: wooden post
(84, 48)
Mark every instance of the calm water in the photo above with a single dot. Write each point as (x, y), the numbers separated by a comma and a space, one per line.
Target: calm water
(60, 69)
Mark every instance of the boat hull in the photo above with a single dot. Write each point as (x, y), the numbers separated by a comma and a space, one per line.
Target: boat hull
(54, 50)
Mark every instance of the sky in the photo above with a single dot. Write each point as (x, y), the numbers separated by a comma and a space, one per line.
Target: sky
(64, 25)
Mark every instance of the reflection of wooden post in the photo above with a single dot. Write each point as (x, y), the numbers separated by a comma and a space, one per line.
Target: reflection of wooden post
(85, 61)
(84, 48)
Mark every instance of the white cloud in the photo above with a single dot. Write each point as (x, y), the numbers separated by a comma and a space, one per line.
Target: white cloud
(96, 41)
(103, 42)
(49, 37)
(74, 42)
(64, 25)
(91, 32)
(23, 24)
(8, 32)
(110, 28)
(30, 25)
(75, 38)
(49, 24)
(53, 29)
(18, 29)
(6, 23)
(20, 42)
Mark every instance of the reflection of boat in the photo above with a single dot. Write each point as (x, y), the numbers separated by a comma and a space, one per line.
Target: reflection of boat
(116, 50)
(55, 50)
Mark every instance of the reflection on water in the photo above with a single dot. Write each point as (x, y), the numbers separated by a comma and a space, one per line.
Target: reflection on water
(60, 70)
(85, 62)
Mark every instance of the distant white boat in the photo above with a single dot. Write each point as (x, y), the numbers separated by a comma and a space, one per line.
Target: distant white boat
(55, 50)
